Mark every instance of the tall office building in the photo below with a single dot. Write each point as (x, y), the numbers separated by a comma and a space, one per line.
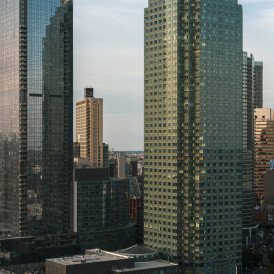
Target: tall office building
(36, 102)
(264, 147)
(248, 214)
(259, 85)
(89, 128)
(193, 134)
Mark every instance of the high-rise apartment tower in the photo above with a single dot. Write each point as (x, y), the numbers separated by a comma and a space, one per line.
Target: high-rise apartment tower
(264, 147)
(249, 88)
(36, 103)
(259, 70)
(89, 128)
(193, 133)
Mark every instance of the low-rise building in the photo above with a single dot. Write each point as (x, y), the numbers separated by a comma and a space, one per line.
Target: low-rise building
(97, 261)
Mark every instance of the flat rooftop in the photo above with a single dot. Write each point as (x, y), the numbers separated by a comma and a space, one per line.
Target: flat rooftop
(92, 256)
(148, 265)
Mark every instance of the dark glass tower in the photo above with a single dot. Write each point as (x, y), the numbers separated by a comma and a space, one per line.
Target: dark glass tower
(193, 133)
(36, 102)
(248, 204)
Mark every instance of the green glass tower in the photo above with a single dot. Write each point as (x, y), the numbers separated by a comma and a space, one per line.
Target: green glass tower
(193, 133)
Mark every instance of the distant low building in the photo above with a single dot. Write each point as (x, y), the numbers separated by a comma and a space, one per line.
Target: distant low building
(121, 160)
(133, 162)
(113, 171)
(264, 215)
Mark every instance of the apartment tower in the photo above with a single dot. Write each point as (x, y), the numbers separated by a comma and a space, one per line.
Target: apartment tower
(36, 115)
(193, 134)
(259, 70)
(89, 128)
(249, 90)
(264, 148)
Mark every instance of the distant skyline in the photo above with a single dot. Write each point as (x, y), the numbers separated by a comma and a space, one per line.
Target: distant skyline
(108, 55)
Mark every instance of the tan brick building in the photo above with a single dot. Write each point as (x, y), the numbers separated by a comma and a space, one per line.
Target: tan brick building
(264, 147)
(89, 128)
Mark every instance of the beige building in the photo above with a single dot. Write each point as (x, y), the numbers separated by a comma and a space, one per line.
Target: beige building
(89, 128)
(264, 147)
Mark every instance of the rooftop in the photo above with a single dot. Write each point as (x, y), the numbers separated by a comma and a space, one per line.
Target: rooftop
(148, 265)
(138, 250)
(92, 256)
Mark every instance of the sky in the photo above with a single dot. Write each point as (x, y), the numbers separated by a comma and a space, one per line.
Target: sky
(108, 55)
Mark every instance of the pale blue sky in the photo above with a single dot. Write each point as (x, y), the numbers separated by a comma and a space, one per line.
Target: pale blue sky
(108, 54)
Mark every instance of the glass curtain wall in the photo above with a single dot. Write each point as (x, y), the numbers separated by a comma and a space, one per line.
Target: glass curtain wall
(36, 102)
(9, 117)
(193, 133)
(49, 115)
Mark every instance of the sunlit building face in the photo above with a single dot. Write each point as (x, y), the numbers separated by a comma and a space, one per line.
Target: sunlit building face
(193, 133)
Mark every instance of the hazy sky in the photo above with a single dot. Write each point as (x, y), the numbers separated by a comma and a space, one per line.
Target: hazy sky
(108, 55)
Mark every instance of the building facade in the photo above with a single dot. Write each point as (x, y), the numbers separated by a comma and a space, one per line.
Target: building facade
(264, 148)
(89, 128)
(193, 134)
(101, 210)
(269, 187)
(36, 102)
(249, 226)
(98, 261)
(121, 166)
(105, 155)
(259, 85)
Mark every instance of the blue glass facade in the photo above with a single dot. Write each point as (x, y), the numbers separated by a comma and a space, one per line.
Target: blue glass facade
(42, 106)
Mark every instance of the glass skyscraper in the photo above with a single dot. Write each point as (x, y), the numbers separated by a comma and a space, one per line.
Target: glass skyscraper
(249, 90)
(193, 133)
(36, 102)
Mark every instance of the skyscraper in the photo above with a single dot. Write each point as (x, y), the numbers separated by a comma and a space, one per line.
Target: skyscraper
(36, 102)
(193, 134)
(89, 128)
(249, 226)
(259, 70)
